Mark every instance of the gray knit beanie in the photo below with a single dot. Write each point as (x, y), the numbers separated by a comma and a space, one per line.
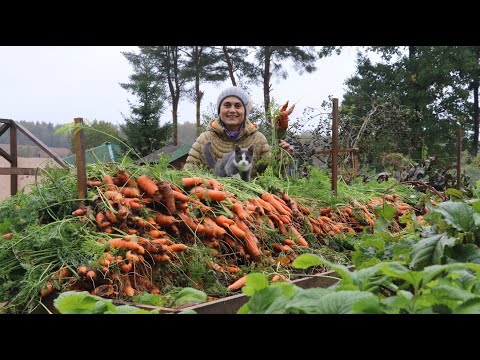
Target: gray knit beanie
(239, 93)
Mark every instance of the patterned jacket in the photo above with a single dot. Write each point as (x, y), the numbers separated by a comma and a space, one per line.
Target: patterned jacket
(222, 144)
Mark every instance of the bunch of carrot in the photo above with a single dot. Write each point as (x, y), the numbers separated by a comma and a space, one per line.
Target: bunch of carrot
(150, 223)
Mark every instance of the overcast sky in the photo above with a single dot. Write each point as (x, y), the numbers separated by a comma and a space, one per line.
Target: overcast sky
(55, 84)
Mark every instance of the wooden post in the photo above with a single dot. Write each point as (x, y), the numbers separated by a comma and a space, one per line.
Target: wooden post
(14, 158)
(334, 145)
(80, 159)
(459, 157)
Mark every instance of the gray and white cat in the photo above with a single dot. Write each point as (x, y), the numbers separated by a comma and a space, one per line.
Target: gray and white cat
(237, 163)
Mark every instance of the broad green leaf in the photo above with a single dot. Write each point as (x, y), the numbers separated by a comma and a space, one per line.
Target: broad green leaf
(430, 250)
(255, 282)
(465, 253)
(150, 299)
(387, 211)
(395, 304)
(128, 309)
(187, 312)
(450, 292)
(304, 261)
(367, 305)
(339, 302)
(363, 277)
(476, 205)
(73, 302)
(189, 296)
(457, 214)
(399, 271)
(471, 306)
(381, 225)
(306, 301)
(270, 300)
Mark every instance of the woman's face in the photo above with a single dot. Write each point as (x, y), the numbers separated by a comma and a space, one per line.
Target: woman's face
(232, 112)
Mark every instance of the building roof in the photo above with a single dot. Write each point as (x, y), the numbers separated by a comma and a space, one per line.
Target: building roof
(174, 152)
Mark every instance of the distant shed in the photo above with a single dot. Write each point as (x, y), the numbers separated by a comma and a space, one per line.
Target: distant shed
(177, 153)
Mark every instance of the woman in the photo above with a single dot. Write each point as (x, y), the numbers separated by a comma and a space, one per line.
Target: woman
(230, 128)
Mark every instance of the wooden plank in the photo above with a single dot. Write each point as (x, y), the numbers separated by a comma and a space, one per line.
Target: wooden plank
(14, 162)
(6, 155)
(231, 304)
(40, 144)
(6, 121)
(20, 171)
(4, 128)
(80, 159)
(334, 146)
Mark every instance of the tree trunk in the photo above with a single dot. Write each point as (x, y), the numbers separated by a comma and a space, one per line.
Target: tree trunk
(229, 65)
(198, 98)
(266, 80)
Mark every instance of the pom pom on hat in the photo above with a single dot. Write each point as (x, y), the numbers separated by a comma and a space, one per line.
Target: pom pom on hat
(237, 92)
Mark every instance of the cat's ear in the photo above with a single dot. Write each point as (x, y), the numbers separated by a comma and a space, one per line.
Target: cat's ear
(250, 149)
(237, 148)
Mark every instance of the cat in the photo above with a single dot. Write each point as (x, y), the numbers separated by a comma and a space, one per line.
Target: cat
(237, 163)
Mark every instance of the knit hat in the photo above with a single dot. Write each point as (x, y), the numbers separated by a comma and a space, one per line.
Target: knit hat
(237, 92)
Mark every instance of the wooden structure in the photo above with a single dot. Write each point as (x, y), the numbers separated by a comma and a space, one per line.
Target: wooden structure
(335, 150)
(12, 158)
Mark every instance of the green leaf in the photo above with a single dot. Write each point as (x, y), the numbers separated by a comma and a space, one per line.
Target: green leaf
(399, 271)
(128, 309)
(150, 299)
(306, 301)
(189, 296)
(73, 302)
(430, 250)
(465, 253)
(367, 305)
(339, 302)
(381, 225)
(387, 211)
(304, 261)
(457, 214)
(471, 306)
(254, 283)
(447, 291)
(270, 300)
(307, 260)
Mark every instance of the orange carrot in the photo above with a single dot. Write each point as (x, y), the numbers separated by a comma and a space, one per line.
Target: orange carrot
(93, 183)
(7, 236)
(148, 185)
(192, 181)
(224, 221)
(177, 247)
(164, 220)
(78, 212)
(300, 238)
(238, 284)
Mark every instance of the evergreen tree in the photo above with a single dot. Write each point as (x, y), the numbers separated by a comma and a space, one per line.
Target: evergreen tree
(142, 128)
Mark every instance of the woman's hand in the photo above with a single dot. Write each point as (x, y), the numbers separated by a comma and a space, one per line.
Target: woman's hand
(285, 146)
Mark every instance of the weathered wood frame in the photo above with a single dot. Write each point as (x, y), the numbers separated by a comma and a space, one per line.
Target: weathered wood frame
(12, 158)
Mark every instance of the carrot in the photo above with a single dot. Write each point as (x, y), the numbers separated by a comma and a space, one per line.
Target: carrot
(241, 212)
(218, 231)
(250, 239)
(109, 181)
(300, 238)
(91, 275)
(238, 284)
(7, 236)
(237, 232)
(167, 196)
(148, 185)
(276, 204)
(160, 257)
(192, 181)
(207, 194)
(222, 220)
(177, 247)
(130, 192)
(93, 183)
(164, 220)
(78, 212)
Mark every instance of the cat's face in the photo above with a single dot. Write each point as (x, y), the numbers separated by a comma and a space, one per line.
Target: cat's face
(232, 112)
(243, 158)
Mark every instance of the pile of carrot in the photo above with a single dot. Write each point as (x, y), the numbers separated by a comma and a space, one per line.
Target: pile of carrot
(150, 223)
